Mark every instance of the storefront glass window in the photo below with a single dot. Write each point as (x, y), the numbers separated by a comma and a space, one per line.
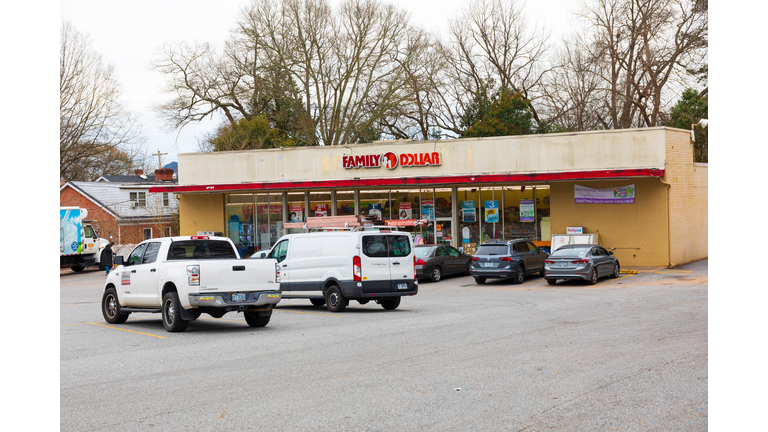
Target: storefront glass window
(375, 203)
(320, 204)
(490, 205)
(345, 203)
(515, 200)
(239, 227)
(468, 217)
(269, 219)
(296, 210)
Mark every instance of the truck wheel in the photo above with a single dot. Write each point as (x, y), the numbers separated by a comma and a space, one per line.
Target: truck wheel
(110, 307)
(101, 267)
(172, 313)
(78, 268)
(390, 304)
(335, 300)
(317, 302)
(255, 320)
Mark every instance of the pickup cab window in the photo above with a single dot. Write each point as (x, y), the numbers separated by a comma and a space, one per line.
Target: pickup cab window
(150, 254)
(200, 249)
(136, 253)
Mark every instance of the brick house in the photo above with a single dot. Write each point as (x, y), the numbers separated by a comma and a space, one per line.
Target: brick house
(121, 207)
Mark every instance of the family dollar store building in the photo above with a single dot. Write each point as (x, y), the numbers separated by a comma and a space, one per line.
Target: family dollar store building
(638, 189)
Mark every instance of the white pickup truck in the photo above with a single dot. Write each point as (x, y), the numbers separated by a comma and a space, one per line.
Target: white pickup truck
(182, 277)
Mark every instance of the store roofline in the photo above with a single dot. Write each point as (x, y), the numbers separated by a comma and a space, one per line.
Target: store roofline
(454, 180)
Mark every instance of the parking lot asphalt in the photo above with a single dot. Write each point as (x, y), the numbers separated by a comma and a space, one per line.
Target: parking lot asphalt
(629, 353)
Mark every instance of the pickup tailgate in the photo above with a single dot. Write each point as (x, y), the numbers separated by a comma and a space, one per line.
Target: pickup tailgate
(244, 275)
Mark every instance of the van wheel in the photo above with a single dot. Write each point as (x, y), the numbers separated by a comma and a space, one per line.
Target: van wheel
(317, 302)
(390, 304)
(480, 280)
(110, 307)
(255, 320)
(335, 300)
(172, 320)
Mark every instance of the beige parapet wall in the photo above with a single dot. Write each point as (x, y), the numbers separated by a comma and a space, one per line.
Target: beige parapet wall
(565, 152)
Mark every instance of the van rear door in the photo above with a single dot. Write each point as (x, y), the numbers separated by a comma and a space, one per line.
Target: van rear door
(375, 264)
(401, 266)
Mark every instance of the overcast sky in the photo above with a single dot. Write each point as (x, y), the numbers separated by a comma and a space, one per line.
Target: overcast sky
(130, 37)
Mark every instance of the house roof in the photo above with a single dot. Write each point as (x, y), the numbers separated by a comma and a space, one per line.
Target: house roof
(88, 196)
(132, 179)
(114, 197)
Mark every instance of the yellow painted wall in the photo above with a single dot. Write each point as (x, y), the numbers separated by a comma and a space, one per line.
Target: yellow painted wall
(688, 196)
(638, 231)
(201, 212)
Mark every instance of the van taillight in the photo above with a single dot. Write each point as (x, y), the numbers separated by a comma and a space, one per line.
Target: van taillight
(277, 273)
(414, 262)
(357, 271)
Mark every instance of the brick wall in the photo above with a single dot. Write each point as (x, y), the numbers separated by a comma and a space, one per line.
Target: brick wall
(688, 200)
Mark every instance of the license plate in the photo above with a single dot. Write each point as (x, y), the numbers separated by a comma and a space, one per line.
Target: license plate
(402, 286)
(488, 264)
(562, 264)
(238, 297)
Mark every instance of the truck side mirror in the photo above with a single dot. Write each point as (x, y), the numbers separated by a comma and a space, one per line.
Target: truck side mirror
(118, 260)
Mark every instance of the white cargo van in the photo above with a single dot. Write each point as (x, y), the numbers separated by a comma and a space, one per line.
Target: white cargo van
(333, 267)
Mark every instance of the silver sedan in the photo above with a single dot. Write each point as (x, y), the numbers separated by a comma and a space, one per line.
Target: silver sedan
(584, 262)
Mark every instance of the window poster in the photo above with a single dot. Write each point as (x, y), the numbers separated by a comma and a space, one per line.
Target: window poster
(428, 209)
(374, 209)
(297, 213)
(468, 211)
(405, 210)
(321, 210)
(491, 211)
(526, 210)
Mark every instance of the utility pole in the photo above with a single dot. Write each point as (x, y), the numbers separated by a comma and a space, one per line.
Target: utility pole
(159, 163)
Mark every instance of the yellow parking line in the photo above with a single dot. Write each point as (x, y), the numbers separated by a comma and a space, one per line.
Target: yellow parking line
(674, 271)
(132, 331)
(69, 325)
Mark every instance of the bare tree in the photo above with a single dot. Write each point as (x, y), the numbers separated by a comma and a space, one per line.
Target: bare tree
(638, 49)
(320, 75)
(490, 40)
(94, 126)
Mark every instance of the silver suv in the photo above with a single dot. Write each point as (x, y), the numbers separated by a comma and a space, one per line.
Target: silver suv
(512, 259)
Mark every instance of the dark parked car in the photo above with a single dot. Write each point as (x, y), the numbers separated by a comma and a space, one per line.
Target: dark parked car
(435, 261)
(585, 262)
(511, 259)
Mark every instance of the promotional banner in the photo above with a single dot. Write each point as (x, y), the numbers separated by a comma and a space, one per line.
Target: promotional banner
(468, 211)
(526, 210)
(321, 210)
(617, 195)
(297, 213)
(427, 209)
(405, 210)
(374, 209)
(69, 231)
(491, 211)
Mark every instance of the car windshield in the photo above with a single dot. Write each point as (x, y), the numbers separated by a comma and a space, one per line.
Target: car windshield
(492, 250)
(421, 252)
(570, 251)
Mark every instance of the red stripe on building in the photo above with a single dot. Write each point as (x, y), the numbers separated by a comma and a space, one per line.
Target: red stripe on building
(481, 179)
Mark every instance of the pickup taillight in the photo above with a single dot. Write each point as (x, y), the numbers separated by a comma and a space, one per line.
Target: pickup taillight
(357, 270)
(193, 275)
